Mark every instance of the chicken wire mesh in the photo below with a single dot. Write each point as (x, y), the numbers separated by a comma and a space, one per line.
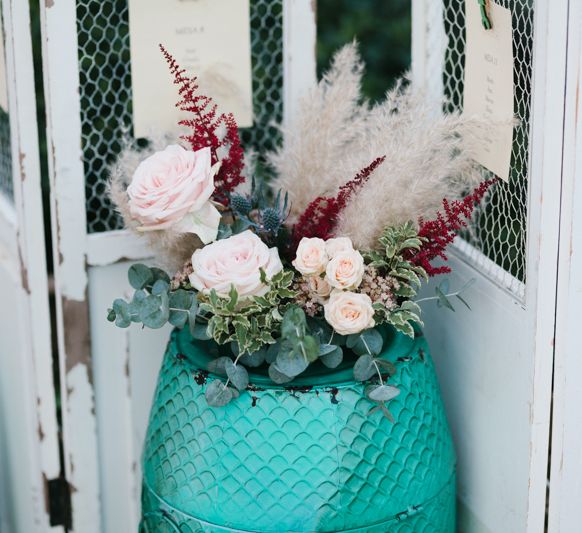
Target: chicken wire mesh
(5, 156)
(498, 229)
(105, 91)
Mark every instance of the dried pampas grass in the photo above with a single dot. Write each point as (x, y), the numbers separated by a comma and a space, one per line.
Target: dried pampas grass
(171, 250)
(429, 155)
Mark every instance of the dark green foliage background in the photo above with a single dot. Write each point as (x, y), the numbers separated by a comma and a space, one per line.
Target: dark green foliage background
(383, 29)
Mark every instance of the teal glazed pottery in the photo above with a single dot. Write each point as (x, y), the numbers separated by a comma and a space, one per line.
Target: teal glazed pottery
(309, 457)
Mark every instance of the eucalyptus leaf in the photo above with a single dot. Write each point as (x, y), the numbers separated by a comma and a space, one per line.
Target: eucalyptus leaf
(367, 342)
(139, 276)
(324, 349)
(294, 323)
(309, 347)
(237, 374)
(277, 376)
(255, 359)
(273, 352)
(217, 395)
(122, 314)
(199, 331)
(382, 393)
(333, 359)
(291, 362)
(442, 298)
(160, 286)
(218, 365)
(364, 368)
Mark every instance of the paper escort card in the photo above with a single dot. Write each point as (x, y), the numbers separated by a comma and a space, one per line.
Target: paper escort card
(489, 83)
(208, 38)
(3, 81)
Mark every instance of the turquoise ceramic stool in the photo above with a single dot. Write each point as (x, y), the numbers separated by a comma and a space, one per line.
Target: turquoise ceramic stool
(299, 459)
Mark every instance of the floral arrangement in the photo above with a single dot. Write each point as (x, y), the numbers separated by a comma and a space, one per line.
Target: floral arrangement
(310, 265)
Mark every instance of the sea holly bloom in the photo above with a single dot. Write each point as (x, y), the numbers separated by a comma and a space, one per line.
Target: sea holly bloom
(349, 312)
(235, 262)
(346, 270)
(171, 190)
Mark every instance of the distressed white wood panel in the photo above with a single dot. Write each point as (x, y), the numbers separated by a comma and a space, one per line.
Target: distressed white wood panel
(495, 363)
(126, 364)
(565, 511)
(61, 84)
(28, 422)
(484, 369)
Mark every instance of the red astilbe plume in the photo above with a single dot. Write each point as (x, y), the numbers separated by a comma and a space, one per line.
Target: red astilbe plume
(205, 127)
(321, 215)
(442, 230)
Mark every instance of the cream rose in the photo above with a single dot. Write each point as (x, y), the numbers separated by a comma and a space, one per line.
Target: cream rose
(235, 261)
(345, 270)
(337, 245)
(311, 257)
(172, 189)
(348, 312)
(319, 288)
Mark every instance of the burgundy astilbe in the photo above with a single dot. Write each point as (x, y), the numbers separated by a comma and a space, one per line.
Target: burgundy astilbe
(442, 230)
(205, 130)
(321, 215)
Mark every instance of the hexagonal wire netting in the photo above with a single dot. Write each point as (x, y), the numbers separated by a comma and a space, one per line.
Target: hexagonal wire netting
(6, 186)
(105, 88)
(499, 226)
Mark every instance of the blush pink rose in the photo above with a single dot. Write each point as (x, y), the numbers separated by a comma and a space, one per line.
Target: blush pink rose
(172, 189)
(235, 261)
(349, 313)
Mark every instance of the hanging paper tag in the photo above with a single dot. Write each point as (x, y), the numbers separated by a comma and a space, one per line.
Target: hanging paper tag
(489, 83)
(208, 38)
(3, 80)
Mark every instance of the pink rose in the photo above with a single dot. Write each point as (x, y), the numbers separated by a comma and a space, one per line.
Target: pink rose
(319, 288)
(172, 189)
(235, 261)
(345, 270)
(349, 313)
(338, 244)
(311, 257)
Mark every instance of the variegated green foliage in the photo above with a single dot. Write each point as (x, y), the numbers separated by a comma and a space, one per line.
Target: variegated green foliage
(251, 322)
(390, 260)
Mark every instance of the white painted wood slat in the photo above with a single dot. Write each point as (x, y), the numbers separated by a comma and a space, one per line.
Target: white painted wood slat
(565, 512)
(29, 446)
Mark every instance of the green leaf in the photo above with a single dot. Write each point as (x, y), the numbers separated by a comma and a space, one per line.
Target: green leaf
(291, 362)
(364, 368)
(160, 286)
(158, 273)
(233, 298)
(382, 393)
(324, 349)
(224, 231)
(199, 331)
(333, 359)
(309, 347)
(217, 395)
(218, 365)
(464, 302)
(294, 323)
(273, 352)
(442, 299)
(254, 359)
(367, 342)
(111, 315)
(405, 328)
(277, 376)
(139, 276)
(122, 315)
(237, 374)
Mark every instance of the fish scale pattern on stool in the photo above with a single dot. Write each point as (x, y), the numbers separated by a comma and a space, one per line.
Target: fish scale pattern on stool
(312, 459)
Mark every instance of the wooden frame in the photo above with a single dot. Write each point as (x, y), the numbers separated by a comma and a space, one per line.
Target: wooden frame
(535, 316)
(565, 513)
(33, 416)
